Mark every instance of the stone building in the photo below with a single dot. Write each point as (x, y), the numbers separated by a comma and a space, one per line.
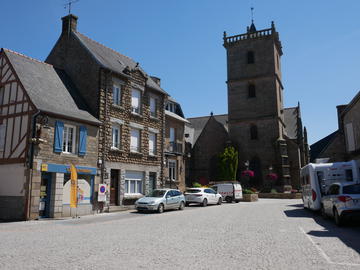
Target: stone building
(43, 131)
(130, 105)
(174, 149)
(268, 137)
(344, 143)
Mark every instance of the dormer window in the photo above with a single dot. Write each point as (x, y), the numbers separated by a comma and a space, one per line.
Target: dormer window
(250, 57)
(116, 94)
(251, 91)
(135, 101)
(171, 107)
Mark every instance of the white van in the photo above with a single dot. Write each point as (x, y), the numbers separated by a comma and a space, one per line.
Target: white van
(316, 179)
(229, 191)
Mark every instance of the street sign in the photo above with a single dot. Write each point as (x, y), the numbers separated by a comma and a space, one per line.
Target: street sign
(102, 193)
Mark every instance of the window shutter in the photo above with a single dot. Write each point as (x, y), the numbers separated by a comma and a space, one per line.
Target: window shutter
(59, 130)
(82, 141)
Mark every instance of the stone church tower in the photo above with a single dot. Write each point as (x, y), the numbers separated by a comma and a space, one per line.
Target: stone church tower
(255, 103)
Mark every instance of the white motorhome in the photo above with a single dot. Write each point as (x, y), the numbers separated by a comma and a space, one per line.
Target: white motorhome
(229, 191)
(316, 179)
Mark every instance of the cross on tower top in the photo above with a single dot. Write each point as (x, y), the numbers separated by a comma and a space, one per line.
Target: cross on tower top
(252, 15)
(69, 3)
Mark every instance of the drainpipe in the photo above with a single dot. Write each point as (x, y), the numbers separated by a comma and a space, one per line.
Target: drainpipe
(30, 165)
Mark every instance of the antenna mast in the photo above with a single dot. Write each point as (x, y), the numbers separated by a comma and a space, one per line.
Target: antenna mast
(69, 3)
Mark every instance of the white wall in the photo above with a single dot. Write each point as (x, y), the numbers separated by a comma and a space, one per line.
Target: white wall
(12, 180)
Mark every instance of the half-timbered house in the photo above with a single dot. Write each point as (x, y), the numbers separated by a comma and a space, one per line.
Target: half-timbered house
(42, 132)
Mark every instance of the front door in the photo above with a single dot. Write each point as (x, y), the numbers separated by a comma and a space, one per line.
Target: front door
(152, 181)
(114, 187)
(45, 194)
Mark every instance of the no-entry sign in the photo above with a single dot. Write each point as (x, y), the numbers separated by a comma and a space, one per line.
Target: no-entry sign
(102, 193)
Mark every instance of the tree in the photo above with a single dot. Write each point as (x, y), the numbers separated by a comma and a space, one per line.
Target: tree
(228, 164)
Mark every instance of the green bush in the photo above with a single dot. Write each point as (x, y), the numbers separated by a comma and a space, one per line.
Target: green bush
(196, 184)
(248, 191)
(228, 164)
(273, 191)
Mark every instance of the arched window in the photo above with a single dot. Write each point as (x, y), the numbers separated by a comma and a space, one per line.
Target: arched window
(250, 57)
(251, 90)
(253, 132)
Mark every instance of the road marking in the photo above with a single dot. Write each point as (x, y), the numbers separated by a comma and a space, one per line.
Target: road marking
(322, 253)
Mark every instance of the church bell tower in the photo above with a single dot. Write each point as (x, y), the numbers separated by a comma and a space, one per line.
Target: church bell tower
(255, 102)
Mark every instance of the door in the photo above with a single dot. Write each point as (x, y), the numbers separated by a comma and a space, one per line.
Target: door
(170, 199)
(152, 181)
(114, 187)
(45, 195)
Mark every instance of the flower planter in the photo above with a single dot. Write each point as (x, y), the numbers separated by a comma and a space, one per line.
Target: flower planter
(250, 197)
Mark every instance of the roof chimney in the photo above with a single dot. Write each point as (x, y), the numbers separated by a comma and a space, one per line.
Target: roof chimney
(69, 24)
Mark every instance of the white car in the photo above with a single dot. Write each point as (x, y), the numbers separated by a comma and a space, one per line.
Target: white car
(341, 202)
(203, 196)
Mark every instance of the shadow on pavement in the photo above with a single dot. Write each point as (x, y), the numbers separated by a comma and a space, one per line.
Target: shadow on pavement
(349, 234)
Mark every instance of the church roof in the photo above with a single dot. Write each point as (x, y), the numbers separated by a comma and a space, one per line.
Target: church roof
(197, 124)
(45, 88)
(320, 146)
(114, 60)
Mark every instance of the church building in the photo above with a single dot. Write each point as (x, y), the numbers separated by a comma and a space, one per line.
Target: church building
(269, 138)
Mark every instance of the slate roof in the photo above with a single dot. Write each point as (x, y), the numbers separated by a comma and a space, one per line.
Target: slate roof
(320, 146)
(291, 122)
(197, 125)
(45, 88)
(113, 60)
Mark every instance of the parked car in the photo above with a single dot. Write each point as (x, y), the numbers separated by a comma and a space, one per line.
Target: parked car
(341, 202)
(160, 200)
(229, 191)
(203, 196)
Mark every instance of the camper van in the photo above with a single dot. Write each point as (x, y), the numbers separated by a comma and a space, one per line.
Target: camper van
(316, 179)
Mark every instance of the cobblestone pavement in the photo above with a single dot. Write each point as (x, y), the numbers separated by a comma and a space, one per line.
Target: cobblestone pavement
(269, 234)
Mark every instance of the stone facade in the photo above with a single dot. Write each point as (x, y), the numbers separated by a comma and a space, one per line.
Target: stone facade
(77, 55)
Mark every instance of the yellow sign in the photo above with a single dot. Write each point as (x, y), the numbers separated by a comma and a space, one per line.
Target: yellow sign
(73, 186)
(44, 167)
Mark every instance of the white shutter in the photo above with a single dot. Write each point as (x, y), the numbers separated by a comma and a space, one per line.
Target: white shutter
(135, 140)
(350, 137)
(134, 175)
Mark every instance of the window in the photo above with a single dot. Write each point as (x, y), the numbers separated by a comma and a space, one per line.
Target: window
(135, 101)
(171, 107)
(134, 182)
(2, 136)
(153, 107)
(172, 170)
(116, 94)
(152, 143)
(350, 141)
(172, 139)
(253, 132)
(115, 137)
(251, 91)
(334, 190)
(250, 57)
(69, 139)
(349, 175)
(135, 140)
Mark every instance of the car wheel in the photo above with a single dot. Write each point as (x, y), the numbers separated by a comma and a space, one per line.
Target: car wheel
(228, 199)
(187, 204)
(204, 203)
(182, 206)
(160, 208)
(237, 201)
(219, 201)
(323, 214)
(337, 218)
(140, 211)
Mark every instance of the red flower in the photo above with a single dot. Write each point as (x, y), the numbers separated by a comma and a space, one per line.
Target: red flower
(248, 173)
(272, 176)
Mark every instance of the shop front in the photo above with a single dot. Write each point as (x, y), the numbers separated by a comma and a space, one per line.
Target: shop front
(55, 191)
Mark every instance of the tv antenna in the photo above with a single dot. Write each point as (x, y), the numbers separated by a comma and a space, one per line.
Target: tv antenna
(69, 3)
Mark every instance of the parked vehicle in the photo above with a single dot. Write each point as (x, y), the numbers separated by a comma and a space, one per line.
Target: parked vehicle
(341, 202)
(160, 200)
(316, 179)
(229, 191)
(203, 196)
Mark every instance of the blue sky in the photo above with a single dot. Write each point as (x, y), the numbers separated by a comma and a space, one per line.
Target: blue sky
(181, 42)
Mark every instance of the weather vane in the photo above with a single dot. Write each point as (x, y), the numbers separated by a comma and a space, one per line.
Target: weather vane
(68, 5)
(252, 15)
